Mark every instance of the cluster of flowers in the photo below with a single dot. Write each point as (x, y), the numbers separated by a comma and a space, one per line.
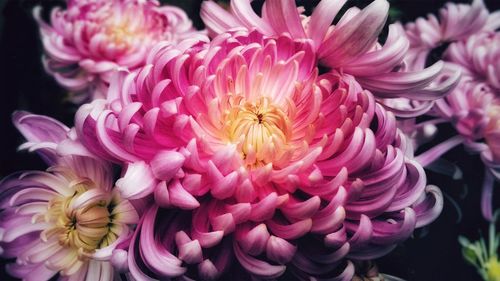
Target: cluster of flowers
(269, 145)
(468, 38)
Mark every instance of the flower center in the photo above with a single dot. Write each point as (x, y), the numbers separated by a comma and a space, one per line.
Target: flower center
(120, 33)
(260, 129)
(131, 26)
(81, 225)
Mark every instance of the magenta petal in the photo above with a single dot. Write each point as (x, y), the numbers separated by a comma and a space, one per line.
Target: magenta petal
(245, 14)
(284, 17)
(280, 250)
(216, 18)
(355, 37)
(381, 60)
(321, 19)
(290, 231)
(256, 266)
(31, 272)
(137, 182)
(254, 241)
(191, 252)
(157, 257)
(430, 207)
(161, 195)
(301, 209)
(180, 197)
(38, 128)
(165, 164)
(404, 84)
(437, 151)
(388, 231)
(363, 233)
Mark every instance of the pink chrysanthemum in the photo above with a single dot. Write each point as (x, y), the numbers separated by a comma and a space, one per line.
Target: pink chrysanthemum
(90, 38)
(259, 156)
(350, 46)
(65, 221)
(455, 22)
(467, 33)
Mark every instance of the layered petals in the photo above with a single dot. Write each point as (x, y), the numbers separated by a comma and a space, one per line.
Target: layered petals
(468, 35)
(350, 46)
(89, 40)
(250, 153)
(66, 221)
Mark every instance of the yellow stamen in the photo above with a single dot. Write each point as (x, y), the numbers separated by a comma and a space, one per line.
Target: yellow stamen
(266, 130)
(84, 228)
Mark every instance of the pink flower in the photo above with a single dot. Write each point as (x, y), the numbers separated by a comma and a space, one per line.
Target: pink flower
(467, 33)
(478, 55)
(455, 22)
(250, 152)
(91, 38)
(350, 46)
(67, 220)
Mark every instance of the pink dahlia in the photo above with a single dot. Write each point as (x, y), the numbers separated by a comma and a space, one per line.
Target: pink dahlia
(467, 34)
(66, 221)
(350, 46)
(250, 152)
(90, 38)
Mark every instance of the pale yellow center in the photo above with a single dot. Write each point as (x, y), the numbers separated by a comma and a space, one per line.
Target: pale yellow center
(86, 228)
(121, 33)
(261, 130)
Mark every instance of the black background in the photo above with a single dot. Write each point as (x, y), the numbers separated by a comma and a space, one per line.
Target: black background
(433, 254)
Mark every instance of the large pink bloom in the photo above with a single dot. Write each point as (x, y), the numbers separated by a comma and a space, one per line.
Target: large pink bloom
(256, 155)
(90, 38)
(467, 33)
(67, 220)
(350, 46)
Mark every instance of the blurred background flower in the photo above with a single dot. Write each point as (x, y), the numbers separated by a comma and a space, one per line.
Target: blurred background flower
(85, 41)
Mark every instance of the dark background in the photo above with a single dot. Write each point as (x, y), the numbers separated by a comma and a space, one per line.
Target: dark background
(433, 254)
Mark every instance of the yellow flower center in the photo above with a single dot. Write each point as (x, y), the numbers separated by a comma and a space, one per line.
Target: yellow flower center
(122, 34)
(85, 227)
(260, 129)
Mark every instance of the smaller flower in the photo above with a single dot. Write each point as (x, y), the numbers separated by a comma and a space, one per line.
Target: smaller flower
(90, 38)
(67, 220)
(478, 56)
(484, 254)
(455, 22)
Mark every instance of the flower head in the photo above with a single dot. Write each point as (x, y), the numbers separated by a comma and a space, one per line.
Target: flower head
(89, 39)
(256, 155)
(455, 22)
(478, 56)
(64, 221)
